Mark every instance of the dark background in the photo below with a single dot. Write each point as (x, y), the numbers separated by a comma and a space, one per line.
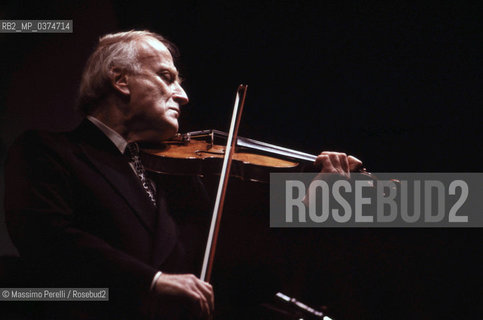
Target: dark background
(398, 85)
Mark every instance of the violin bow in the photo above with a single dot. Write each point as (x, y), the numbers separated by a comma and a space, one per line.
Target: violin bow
(209, 256)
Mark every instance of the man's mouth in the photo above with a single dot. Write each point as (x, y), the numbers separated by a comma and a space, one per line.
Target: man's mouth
(176, 110)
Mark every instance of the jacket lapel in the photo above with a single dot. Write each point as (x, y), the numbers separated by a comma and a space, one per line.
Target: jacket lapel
(112, 165)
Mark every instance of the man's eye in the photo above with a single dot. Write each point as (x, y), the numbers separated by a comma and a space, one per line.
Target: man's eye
(166, 76)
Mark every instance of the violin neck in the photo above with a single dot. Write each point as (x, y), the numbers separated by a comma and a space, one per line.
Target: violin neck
(251, 144)
(273, 149)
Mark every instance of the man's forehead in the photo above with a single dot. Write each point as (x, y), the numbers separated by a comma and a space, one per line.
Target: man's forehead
(151, 49)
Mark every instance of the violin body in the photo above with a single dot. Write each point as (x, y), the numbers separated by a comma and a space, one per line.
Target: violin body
(201, 153)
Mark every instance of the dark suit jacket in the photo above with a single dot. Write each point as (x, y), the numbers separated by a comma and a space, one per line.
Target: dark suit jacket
(80, 217)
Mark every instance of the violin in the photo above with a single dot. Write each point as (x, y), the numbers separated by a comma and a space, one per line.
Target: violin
(201, 152)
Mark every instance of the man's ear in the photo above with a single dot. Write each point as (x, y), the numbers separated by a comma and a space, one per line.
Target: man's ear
(119, 80)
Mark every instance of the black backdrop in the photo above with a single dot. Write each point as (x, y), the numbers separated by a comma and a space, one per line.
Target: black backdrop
(396, 84)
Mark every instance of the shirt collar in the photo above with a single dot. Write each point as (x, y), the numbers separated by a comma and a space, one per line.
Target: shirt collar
(115, 137)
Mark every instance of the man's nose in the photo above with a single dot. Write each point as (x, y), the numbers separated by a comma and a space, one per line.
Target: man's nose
(180, 95)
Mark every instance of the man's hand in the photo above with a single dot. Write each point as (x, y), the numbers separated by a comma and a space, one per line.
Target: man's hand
(336, 162)
(182, 296)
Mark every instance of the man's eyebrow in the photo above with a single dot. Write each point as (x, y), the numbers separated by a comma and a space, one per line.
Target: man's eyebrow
(173, 71)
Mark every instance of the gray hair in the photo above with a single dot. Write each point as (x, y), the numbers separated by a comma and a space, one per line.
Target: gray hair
(113, 50)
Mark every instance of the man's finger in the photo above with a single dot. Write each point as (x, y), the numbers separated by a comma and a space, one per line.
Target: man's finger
(323, 161)
(354, 164)
(204, 297)
(344, 162)
(207, 291)
(204, 306)
(334, 159)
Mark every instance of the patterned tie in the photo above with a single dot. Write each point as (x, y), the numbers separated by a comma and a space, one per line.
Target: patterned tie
(132, 152)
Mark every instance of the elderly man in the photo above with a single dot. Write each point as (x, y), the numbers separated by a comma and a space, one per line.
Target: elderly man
(81, 209)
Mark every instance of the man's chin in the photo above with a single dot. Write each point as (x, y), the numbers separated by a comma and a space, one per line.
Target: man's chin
(171, 131)
(162, 133)
(156, 131)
